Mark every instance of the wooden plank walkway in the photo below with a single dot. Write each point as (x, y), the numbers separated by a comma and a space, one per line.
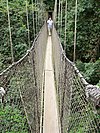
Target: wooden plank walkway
(50, 123)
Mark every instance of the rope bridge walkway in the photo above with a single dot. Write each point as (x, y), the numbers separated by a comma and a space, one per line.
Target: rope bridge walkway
(49, 90)
(50, 105)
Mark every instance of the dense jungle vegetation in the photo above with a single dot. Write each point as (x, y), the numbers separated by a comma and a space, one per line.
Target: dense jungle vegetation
(88, 27)
(21, 21)
(87, 35)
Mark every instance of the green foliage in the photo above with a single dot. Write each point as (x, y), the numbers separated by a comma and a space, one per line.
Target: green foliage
(91, 71)
(18, 21)
(49, 4)
(88, 38)
(12, 120)
(12, 115)
(88, 27)
(98, 84)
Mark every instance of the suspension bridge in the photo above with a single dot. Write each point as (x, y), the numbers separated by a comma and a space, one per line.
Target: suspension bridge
(50, 91)
(45, 85)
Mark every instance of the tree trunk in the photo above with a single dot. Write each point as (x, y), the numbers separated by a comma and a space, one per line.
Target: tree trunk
(55, 12)
(11, 44)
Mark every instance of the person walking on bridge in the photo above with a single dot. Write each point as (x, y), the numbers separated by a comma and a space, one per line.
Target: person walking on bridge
(50, 26)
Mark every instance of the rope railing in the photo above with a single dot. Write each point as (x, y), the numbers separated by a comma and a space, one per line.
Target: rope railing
(76, 98)
(22, 82)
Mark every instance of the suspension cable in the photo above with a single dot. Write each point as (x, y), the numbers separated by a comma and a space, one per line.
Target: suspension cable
(28, 23)
(65, 25)
(75, 32)
(36, 15)
(33, 20)
(59, 17)
(11, 44)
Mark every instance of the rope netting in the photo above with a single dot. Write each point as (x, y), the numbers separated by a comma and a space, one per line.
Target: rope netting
(77, 112)
(23, 83)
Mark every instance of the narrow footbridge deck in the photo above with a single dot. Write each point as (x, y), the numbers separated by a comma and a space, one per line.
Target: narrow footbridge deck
(50, 124)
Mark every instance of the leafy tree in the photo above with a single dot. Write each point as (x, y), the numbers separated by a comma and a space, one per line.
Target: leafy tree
(91, 71)
(49, 4)
(88, 39)
(19, 28)
(13, 121)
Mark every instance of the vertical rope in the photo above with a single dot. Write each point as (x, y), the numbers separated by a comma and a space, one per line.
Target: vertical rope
(36, 15)
(33, 20)
(65, 67)
(28, 23)
(11, 44)
(59, 17)
(65, 26)
(74, 58)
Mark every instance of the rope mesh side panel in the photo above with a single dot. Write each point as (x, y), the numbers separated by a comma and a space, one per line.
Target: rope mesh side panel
(76, 112)
(23, 84)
